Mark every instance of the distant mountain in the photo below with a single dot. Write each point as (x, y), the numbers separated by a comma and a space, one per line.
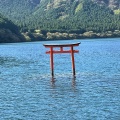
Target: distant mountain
(9, 32)
(19, 10)
(64, 16)
(80, 15)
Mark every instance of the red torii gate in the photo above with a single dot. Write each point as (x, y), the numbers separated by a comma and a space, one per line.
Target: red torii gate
(61, 50)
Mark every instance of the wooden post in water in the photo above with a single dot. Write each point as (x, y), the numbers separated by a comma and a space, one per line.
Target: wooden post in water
(51, 61)
(61, 50)
(73, 61)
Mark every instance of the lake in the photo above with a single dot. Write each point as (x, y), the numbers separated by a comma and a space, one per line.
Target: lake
(28, 92)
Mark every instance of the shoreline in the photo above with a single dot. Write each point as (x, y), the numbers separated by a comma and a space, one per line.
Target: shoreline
(83, 39)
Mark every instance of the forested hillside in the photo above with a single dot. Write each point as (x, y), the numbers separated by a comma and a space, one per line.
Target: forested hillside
(64, 19)
(17, 10)
(9, 32)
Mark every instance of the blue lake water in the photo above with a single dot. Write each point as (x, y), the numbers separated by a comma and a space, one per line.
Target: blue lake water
(27, 91)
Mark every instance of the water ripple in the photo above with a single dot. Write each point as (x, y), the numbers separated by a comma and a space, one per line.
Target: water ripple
(28, 92)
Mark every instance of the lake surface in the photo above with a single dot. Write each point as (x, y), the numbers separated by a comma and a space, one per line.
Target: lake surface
(28, 92)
